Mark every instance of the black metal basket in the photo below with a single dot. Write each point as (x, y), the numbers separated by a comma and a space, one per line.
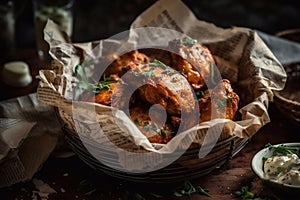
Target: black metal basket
(187, 166)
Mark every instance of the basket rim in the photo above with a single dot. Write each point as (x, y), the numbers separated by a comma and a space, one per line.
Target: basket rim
(285, 32)
(280, 97)
(286, 100)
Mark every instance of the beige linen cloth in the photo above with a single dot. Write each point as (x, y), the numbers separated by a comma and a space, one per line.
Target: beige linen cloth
(29, 133)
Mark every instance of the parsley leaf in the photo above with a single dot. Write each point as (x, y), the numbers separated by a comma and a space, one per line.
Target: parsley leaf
(245, 194)
(148, 73)
(187, 41)
(85, 84)
(163, 132)
(283, 150)
(157, 63)
(229, 98)
(188, 189)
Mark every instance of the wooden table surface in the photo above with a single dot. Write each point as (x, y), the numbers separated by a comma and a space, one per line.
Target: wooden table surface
(73, 179)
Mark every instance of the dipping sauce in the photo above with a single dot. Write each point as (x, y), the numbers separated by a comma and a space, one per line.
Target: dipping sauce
(283, 169)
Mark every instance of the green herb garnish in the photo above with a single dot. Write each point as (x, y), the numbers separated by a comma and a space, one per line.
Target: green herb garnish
(245, 194)
(188, 189)
(95, 87)
(264, 158)
(222, 103)
(182, 72)
(200, 94)
(148, 73)
(152, 65)
(157, 63)
(103, 85)
(163, 132)
(136, 122)
(167, 70)
(283, 150)
(151, 127)
(187, 41)
(229, 98)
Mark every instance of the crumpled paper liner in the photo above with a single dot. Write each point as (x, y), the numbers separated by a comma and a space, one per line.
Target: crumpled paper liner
(241, 56)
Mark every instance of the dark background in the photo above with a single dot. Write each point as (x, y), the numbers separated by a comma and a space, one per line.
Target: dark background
(95, 19)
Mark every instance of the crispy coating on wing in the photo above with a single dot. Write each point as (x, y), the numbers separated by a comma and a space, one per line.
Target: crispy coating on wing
(153, 128)
(158, 54)
(220, 102)
(106, 89)
(144, 81)
(121, 64)
(194, 61)
(164, 86)
(104, 96)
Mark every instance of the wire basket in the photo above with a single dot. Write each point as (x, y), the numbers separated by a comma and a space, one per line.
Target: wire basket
(290, 34)
(288, 100)
(187, 166)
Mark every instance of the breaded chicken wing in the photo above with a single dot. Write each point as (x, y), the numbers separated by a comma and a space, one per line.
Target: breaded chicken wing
(102, 91)
(153, 128)
(220, 102)
(162, 85)
(193, 60)
(121, 64)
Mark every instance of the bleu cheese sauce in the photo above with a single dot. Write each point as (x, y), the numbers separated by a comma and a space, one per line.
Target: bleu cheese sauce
(283, 169)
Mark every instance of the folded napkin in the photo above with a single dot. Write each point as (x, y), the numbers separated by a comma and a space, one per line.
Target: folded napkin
(12, 132)
(286, 51)
(29, 133)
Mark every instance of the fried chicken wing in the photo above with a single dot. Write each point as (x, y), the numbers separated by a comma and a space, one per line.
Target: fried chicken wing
(220, 102)
(104, 96)
(121, 64)
(152, 127)
(158, 54)
(164, 86)
(103, 91)
(193, 60)
(140, 82)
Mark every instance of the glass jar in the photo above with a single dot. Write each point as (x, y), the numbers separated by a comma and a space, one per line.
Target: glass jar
(60, 12)
(7, 33)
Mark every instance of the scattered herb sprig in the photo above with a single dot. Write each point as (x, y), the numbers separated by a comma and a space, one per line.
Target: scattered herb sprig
(157, 63)
(94, 87)
(188, 189)
(147, 126)
(167, 70)
(245, 194)
(187, 41)
(283, 149)
(200, 94)
(228, 98)
(152, 65)
(222, 103)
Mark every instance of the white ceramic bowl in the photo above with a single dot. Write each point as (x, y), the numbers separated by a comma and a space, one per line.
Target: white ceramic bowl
(257, 167)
